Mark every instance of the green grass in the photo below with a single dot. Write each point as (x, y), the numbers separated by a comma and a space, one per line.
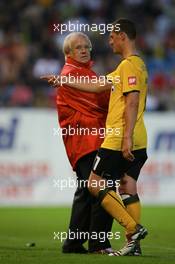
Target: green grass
(19, 226)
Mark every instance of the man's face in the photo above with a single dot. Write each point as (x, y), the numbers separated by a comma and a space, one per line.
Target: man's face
(80, 50)
(116, 41)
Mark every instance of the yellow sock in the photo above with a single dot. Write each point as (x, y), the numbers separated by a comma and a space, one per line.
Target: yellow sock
(134, 209)
(113, 204)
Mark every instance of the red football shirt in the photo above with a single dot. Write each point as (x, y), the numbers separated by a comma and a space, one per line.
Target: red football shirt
(77, 109)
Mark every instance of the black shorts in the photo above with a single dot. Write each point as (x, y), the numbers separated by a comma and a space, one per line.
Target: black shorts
(110, 164)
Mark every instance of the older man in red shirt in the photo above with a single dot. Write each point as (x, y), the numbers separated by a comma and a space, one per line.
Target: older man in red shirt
(83, 111)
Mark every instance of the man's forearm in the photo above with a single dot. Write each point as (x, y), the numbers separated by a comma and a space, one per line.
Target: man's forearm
(130, 114)
(90, 86)
(87, 86)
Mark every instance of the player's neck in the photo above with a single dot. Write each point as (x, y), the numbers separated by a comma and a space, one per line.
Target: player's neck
(129, 51)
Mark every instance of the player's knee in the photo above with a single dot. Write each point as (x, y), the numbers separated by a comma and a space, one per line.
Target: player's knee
(93, 184)
(128, 185)
(123, 186)
(92, 190)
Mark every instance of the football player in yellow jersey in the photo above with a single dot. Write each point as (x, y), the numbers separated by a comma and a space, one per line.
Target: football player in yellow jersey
(123, 151)
(125, 115)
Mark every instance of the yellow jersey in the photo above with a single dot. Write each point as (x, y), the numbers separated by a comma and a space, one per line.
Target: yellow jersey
(131, 75)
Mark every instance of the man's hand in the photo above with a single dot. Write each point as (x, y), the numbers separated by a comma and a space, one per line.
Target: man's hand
(51, 79)
(127, 148)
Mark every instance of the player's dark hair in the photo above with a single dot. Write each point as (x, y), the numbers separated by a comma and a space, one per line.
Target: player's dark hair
(125, 25)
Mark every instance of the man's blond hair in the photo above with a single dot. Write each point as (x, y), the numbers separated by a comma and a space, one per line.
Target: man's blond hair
(67, 45)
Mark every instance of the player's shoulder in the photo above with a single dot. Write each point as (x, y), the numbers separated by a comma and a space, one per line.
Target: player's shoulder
(133, 62)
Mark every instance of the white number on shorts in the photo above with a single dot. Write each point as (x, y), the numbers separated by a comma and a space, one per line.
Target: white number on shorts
(97, 160)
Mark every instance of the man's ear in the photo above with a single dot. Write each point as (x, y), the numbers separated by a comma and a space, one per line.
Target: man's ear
(123, 35)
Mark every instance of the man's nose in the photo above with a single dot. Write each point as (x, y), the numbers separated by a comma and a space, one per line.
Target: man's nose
(83, 49)
(111, 43)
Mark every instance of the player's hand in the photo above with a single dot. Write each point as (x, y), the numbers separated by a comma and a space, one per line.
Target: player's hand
(54, 80)
(127, 148)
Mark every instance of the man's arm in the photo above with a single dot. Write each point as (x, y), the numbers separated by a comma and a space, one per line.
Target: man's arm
(87, 86)
(130, 116)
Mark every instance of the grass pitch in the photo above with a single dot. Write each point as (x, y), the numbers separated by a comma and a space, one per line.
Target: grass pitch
(19, 226)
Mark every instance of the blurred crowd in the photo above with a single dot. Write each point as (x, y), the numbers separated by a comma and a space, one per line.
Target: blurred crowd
(29, 46)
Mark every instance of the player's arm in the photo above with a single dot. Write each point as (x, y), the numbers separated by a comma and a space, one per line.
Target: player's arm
(130, 117)
(87, 86)
(131, 91)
